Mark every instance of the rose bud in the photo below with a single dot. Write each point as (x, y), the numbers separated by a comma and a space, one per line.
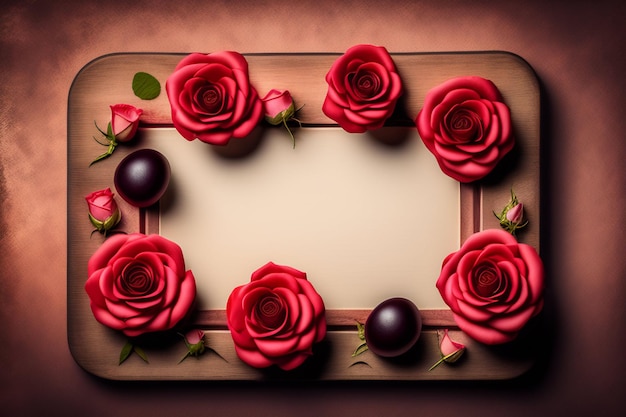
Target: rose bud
(194, 340)
(512, 215)
(450, 350)
(279, 108)
(124, 121)
(122, 127)
(103, 211)
(515, 214)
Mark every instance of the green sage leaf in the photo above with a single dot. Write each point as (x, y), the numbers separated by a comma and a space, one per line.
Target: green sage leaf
(145, 86)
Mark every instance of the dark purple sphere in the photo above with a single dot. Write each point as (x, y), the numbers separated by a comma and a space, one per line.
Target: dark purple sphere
(393, 327)
(142, 177)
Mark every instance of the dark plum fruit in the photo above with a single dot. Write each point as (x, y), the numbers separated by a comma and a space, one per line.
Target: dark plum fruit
(142, 177)
(393, 327)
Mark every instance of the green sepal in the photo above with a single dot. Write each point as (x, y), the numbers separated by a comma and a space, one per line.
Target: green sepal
(505, 223)
(361, 330)
(286, 114)
(146, 86)
(108, 224)
(96, 223)
(283, 117)
(207, 349)
(113, 220)
(361, 333)
(112, 143)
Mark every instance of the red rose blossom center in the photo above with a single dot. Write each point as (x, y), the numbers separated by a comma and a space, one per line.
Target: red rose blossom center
(464, 125)
(487, 281)
(365, 84)
(210, 99)
(270, 311)
(136, 279)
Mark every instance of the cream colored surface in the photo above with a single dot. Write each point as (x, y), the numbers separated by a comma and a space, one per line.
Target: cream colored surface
(366, 221)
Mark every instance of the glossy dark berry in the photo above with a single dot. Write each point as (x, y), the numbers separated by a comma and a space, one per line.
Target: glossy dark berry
(142, 177)
(393, 327)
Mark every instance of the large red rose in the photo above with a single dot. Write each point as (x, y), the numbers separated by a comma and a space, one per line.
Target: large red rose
(276, 318)
(138, 284)
(363, 88)
(465, 124)
(493, 285)
(211, 97)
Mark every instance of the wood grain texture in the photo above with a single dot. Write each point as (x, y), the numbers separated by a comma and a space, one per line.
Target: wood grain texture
(106, 81)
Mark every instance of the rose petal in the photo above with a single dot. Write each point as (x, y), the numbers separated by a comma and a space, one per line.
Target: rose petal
(483, 334)
(447, 346)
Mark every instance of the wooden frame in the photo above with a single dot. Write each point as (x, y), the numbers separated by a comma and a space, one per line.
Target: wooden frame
(106, 81)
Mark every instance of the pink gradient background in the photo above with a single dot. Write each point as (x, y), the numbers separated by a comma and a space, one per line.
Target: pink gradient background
(578, 52)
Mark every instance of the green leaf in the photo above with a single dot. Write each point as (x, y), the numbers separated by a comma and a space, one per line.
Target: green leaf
(139, 351)
(360, 363)
(361, 330)
(145, 86)
(360, 349)
(126, 351)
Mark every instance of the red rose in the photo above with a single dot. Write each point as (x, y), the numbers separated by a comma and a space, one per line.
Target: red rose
(276, 318)
(104, 213)
(465, 124)
(211, 97)
(493, 285)
(138, 284)
(363, 88)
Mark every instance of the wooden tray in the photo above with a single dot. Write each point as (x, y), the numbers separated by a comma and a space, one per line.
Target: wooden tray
(107, 80)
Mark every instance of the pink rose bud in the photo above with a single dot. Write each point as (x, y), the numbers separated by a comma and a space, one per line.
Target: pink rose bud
(124, 121)
(515, 214)
(280, 108)
(512, 215)
(194, 340)
(450, 350)
(103, 211)
(122, 128)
